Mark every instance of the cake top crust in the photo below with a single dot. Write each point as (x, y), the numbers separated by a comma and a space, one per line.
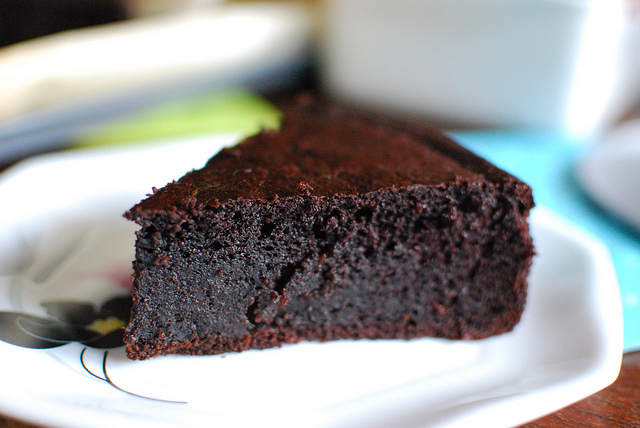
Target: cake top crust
(323, 150)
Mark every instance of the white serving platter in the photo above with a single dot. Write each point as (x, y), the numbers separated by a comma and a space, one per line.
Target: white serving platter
(62, 237)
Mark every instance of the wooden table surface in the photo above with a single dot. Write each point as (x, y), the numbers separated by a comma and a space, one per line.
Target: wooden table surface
(616, 406)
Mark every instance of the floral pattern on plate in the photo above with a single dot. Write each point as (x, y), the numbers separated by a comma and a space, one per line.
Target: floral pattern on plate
(57, 267)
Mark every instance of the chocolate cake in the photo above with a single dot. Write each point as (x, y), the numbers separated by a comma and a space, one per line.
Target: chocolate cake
(335, 226)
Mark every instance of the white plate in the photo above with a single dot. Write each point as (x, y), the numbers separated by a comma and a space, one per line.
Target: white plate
(62, 237)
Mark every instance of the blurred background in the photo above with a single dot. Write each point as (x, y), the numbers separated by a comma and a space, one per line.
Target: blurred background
(546, 89)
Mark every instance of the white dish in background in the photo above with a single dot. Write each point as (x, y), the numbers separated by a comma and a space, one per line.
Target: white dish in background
(567, 346)
(610, 172)
(56, 86)
(562, 65)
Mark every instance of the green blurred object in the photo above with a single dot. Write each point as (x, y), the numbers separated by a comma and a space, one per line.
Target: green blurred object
(231, 111)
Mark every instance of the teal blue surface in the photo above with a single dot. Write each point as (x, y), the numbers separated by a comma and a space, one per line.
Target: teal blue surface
(546, 162)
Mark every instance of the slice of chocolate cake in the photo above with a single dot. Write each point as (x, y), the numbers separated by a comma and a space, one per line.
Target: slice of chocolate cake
(336, 226)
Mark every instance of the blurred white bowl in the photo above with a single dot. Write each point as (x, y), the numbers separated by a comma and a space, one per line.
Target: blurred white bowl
(570, 65)
(610, 172)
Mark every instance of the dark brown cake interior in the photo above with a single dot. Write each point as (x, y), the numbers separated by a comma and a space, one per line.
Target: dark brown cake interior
(336, 226)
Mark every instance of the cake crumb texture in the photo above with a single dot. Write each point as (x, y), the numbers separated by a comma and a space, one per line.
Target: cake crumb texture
(335, 226)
